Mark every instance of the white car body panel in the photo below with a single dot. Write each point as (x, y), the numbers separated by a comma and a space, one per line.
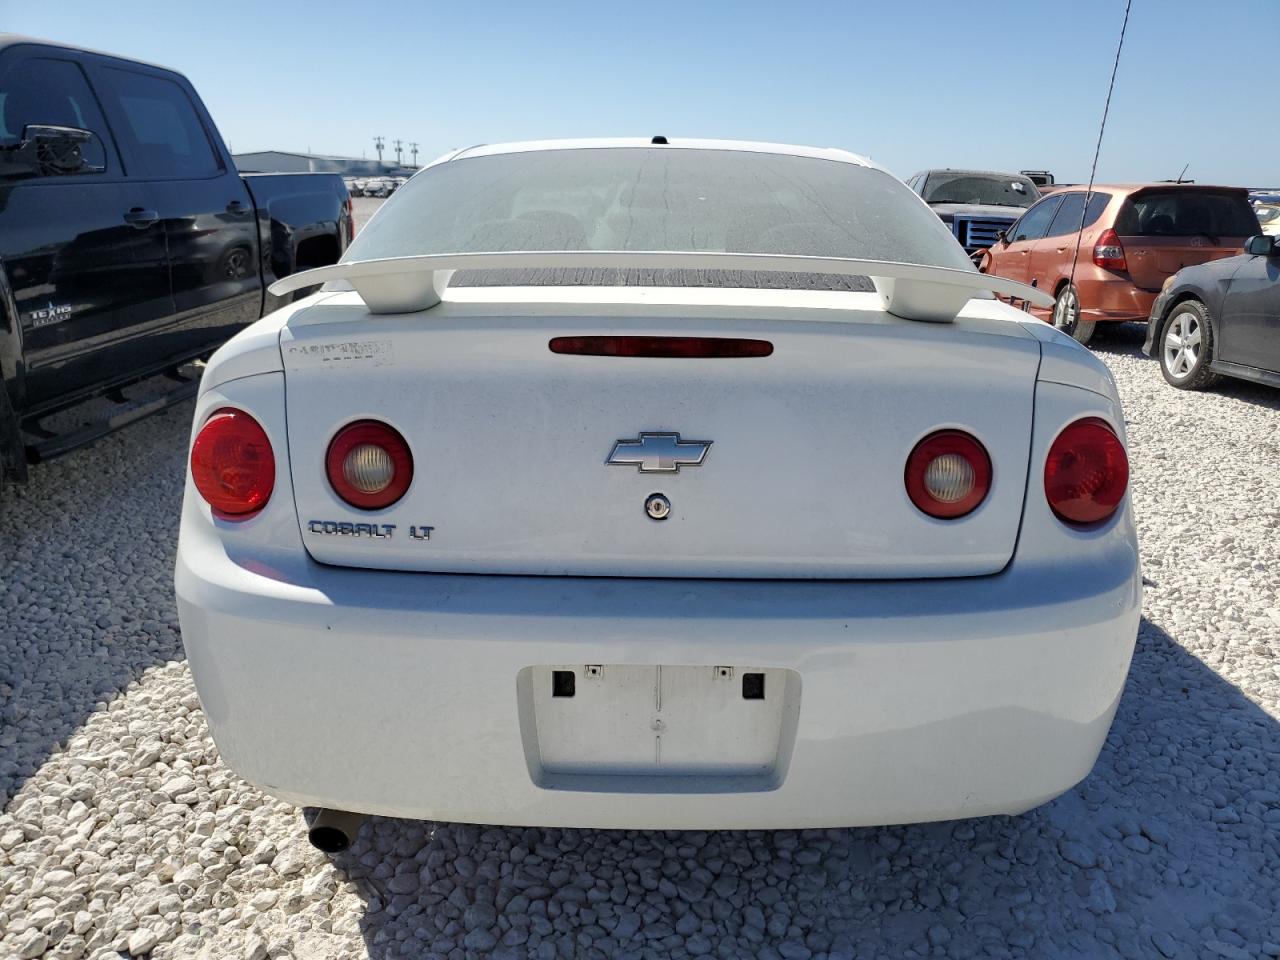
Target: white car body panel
(803, 479)
(398, 693)
(912, 669)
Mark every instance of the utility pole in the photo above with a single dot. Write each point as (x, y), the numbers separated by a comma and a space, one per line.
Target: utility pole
(414, 146)
(377, 143)
(398, 145)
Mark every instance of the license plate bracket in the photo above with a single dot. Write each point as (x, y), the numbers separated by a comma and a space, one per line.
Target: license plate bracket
(674, 727)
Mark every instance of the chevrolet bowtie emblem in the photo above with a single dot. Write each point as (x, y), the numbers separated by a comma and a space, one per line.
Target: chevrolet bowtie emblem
(659, 453)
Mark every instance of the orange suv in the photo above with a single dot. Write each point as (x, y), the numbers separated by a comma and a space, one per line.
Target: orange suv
(1133, 239)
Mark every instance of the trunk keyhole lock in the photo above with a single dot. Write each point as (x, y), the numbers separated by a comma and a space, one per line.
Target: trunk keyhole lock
(657, 507)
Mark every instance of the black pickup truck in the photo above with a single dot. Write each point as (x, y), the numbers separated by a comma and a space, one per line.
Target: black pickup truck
(129, 243)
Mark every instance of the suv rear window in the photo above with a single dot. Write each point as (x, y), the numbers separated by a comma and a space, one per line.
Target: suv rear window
(1187, 213)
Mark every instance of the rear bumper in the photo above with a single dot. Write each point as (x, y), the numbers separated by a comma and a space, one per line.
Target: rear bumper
(396, 694)
(1108, 297)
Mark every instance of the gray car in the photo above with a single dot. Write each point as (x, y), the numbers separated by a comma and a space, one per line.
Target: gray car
(1220, 318)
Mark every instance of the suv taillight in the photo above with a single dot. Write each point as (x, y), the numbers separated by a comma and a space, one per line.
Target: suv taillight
(1108, 252)
(1086, 473)
(369, 464)
(948, 474)
(232, 464)
(351, 219)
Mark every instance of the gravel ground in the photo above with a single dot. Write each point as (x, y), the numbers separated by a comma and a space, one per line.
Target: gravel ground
(122, 832)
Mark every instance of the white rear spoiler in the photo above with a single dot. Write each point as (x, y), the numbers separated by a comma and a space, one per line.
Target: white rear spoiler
(908, 290)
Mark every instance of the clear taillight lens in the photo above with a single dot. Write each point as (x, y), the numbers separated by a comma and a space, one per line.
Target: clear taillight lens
(232, 464)
(369, 464)
(1108, 252)
(1086, 473)
(948, 474)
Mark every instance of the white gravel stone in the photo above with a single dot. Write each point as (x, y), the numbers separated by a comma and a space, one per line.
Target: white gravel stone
(291, 859)
(264, 900)
(178, 786)
(31, 944)
(121, 830)
(142, 941)
(321, 885)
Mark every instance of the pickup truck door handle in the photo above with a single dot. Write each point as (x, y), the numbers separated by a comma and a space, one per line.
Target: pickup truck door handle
(236, 206)
(141, 218)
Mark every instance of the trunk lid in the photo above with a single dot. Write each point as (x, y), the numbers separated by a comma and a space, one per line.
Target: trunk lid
(1166, 229)
(1152, 260)
(803, 478)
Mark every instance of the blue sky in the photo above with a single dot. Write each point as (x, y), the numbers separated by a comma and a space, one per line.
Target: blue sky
(1008, 85)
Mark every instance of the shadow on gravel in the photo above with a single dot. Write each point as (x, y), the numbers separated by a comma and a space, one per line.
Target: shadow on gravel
(1168, 849)
(86, 560)
(1127, 338)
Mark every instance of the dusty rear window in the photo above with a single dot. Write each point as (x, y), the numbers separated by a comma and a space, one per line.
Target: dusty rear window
(661, 199)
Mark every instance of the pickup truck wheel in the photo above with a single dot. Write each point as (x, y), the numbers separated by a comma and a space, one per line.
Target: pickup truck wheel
(1066, 315)
(1186, 347)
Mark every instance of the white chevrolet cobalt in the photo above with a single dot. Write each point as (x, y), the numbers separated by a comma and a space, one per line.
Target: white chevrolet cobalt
(657, 484)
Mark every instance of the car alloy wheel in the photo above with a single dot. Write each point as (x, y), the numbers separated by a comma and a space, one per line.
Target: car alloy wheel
(1066, 311)
(1186, 347)
(1182, 345)
(1066, 315)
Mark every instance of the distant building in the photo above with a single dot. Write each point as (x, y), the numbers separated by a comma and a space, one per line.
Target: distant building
(281, 161)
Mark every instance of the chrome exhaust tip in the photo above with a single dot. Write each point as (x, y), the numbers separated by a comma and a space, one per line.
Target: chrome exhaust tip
(332, 831)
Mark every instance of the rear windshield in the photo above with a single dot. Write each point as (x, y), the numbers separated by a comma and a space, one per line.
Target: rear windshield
(994, 189)
(663, 199)
(1187, 213)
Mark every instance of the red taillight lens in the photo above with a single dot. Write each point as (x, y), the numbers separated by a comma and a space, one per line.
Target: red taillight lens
(369, 464)
(351, 219)
(1087, 472)
(1108, 253)
(948, 474)
(232, 464)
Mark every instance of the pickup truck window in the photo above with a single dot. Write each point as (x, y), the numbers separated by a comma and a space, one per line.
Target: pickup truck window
(977, 188)
(42, 90)
(162, 129)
